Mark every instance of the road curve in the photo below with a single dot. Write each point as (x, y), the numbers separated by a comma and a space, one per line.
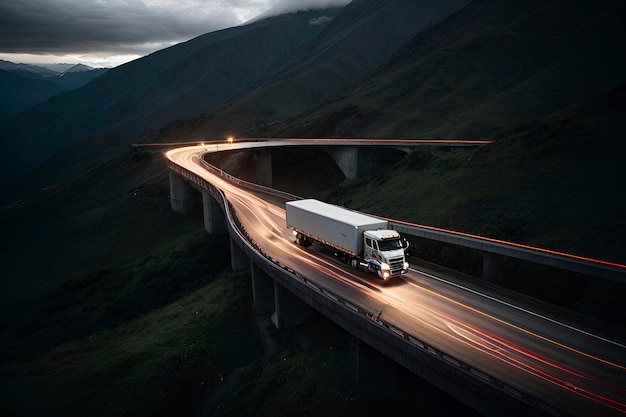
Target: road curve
(573, 365)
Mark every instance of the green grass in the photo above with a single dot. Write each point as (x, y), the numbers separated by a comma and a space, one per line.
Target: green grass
(105, 247)
(297, 382)
(163, 362)
(101, 285)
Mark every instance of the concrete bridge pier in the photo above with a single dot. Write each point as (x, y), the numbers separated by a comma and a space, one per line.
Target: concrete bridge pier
(214, 219)
(374, 375)
(289, 310)
(347, 159)
(262, 291)
(492, 267)
(263, 159)
(183, 198)
(238, 259)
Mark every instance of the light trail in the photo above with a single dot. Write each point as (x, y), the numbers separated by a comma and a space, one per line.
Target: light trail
(391, 142)
(498, 348)
(511, 305)
(517, 245)
(436, 318)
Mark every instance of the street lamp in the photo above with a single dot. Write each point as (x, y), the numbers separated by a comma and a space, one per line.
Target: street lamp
(230, 140)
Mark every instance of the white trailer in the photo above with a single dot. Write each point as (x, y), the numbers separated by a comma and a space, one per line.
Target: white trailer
(361, 240)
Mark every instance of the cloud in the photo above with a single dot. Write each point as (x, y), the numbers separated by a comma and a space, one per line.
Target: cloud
(110, 32)
(288, 6)
(115, 26)
(319, 20)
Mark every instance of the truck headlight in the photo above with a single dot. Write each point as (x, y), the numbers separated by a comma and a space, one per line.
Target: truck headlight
(406, 266)
(384, 271)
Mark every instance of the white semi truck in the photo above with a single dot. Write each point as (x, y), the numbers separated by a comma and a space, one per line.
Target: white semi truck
(362, 241)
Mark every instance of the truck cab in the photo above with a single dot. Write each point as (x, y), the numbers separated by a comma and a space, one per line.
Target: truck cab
(384, 253)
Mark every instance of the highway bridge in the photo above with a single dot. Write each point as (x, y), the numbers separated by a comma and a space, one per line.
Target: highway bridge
(496, 353)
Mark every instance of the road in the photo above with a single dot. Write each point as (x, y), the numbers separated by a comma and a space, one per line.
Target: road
(574, 365)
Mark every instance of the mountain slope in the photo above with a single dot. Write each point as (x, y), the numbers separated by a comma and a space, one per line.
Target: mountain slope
(211, 76)
(71, 80)
(73, 77)
(362, 37)
(19, 93)
(27, 70)
(486, 69)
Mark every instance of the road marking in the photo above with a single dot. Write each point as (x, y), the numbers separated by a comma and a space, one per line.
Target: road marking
(518, 308)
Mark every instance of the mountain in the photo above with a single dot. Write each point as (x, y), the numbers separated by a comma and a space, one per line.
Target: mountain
(363, 36)
(20, 92)
(280, 65)
(482, 72)
(27, 70)
(24, 85)
(78, 68)
(77, 76)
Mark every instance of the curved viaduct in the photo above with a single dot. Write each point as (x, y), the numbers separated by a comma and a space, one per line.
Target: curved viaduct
(500, 358)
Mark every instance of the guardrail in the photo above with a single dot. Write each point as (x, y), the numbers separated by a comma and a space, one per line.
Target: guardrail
(560, 260)
(249, 185)
(370, 316)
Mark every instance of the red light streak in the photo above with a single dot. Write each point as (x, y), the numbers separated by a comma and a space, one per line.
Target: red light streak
(499, 348)
(391, 141)
(521, 329)
(518, 245)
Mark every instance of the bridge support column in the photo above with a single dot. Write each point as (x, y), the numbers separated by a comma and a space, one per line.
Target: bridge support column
(289, 310)
(262, 291)
(183, 197)
(347, 158)
(374, 375)
(238, 259)
(214, 219)
(492, 266)
(263, 159)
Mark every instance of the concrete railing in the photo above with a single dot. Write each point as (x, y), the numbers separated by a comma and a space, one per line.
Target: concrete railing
(560, 260)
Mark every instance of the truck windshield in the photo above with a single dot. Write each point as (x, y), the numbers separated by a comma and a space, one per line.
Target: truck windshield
(390, 244)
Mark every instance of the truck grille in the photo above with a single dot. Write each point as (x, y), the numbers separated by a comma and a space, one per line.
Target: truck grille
(396, 265)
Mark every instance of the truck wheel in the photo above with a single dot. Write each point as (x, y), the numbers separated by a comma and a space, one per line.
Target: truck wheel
(303, 241)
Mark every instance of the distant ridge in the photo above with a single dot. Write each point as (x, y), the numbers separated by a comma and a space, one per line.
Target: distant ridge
(25, 85)
(78, 68)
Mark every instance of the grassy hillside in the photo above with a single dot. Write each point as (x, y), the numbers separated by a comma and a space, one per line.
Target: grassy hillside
(20, 93)
(163, 362)
(488, 68)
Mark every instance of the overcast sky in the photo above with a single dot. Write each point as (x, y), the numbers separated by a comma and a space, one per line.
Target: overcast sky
(106, 33)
